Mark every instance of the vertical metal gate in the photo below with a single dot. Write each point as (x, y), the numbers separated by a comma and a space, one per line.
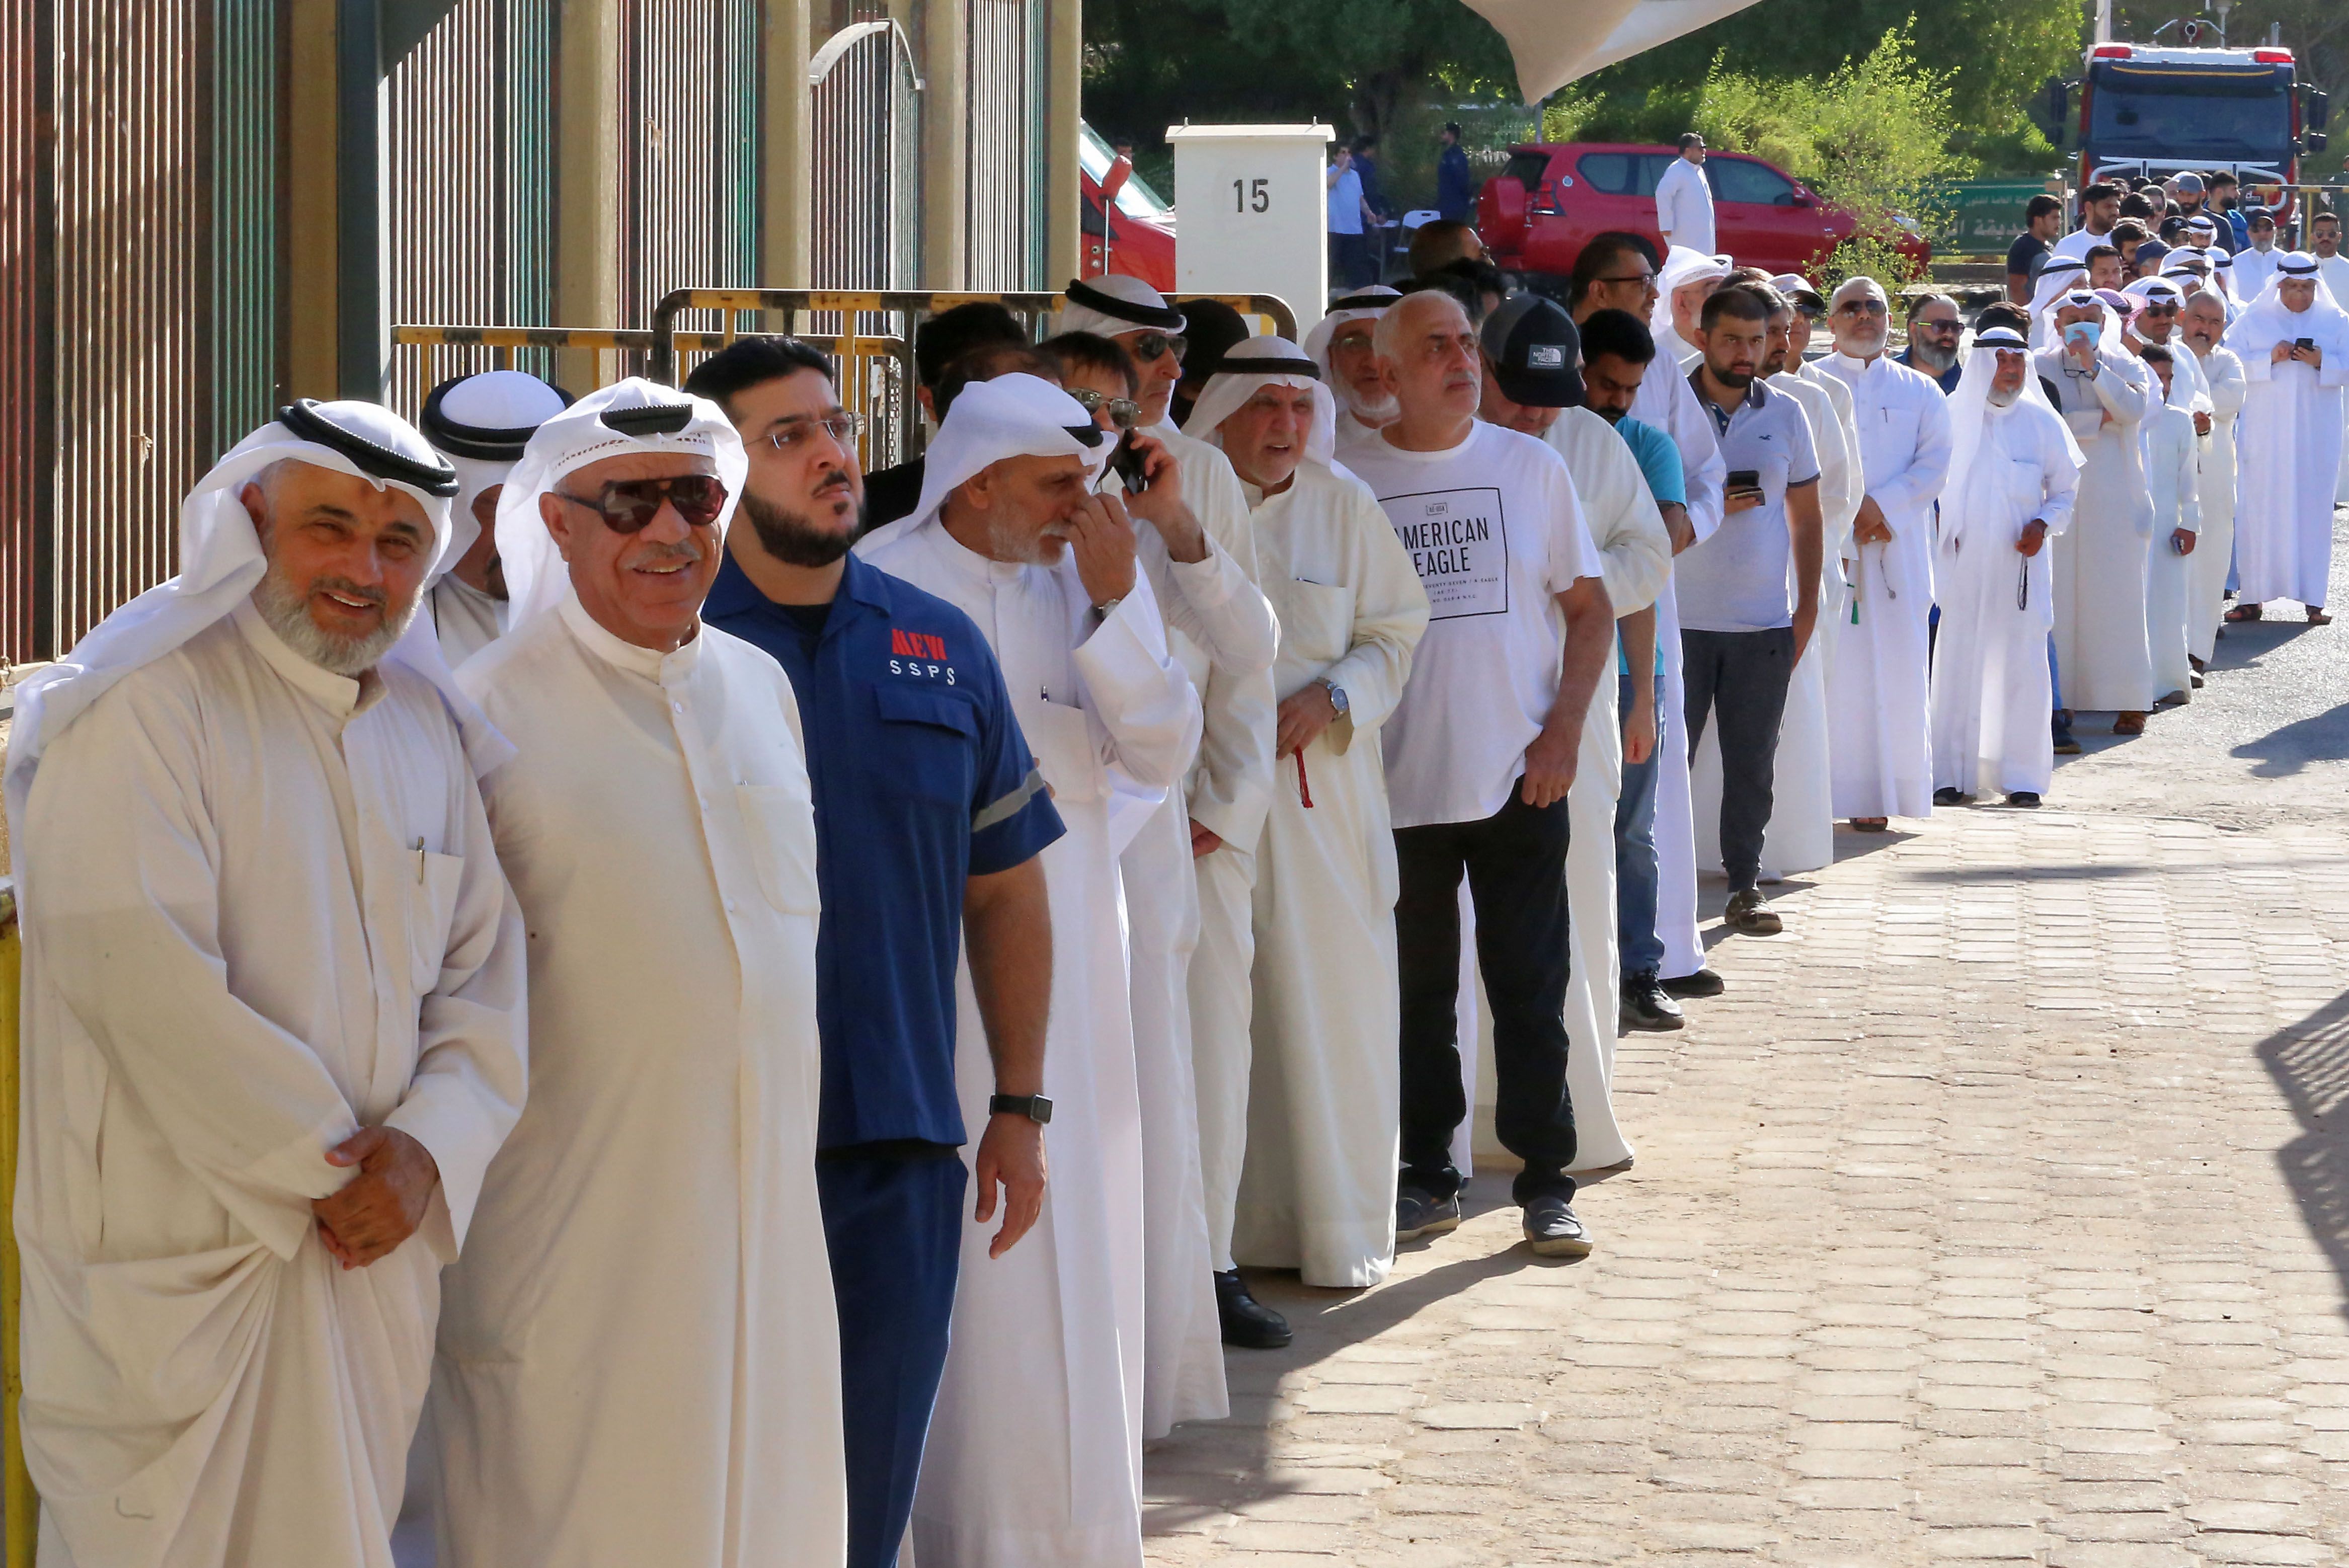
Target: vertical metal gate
(23, 336)
(1004, 207)
(688, 149)
(140, 288)
(468, 176)
(247, 321)
(867, 162)
(131, 234)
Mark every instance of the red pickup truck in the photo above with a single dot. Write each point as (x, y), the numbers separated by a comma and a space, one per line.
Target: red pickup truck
(1537, 214)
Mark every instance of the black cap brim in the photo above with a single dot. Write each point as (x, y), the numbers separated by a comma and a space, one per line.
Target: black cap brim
(1541, 388)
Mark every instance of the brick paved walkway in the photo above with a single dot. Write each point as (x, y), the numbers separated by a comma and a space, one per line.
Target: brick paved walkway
(1999, 1212)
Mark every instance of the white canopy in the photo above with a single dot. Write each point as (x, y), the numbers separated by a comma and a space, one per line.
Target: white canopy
(1554, 42)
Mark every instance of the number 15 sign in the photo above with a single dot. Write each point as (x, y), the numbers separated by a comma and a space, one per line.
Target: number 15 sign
(1251, 210)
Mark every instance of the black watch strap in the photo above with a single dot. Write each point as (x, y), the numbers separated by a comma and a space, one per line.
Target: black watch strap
(1034, 1107)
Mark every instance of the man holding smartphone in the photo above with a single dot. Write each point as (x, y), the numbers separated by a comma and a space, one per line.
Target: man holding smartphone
(1741, 629)
(2293, 342)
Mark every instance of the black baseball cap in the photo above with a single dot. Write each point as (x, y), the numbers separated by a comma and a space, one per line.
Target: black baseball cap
(1534, 353)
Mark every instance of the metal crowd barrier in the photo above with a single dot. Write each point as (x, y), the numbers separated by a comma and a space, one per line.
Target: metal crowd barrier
(870, 335)
(21, 1507)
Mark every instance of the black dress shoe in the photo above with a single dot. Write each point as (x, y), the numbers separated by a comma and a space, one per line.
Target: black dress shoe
(1553, 1231)
(2024, 799)
(1947, 796)
(1645, 1006)
(1248, 1324)
(1704, 983)
(1418, 1213)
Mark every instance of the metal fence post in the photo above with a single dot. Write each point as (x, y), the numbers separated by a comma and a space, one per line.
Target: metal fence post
(23, 1508)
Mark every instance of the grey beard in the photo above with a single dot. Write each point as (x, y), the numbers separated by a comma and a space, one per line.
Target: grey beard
(286, 609)
(1999, 399)
(789, 537)
(1374, 412)
(1939, 359)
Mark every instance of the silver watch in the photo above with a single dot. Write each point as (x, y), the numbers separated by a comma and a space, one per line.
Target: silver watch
(1337, 695)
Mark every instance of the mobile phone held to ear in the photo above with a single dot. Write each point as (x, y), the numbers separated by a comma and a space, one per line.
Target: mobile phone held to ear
(1126, 463)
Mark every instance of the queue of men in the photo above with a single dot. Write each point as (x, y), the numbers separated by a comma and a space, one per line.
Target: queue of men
(788, 1048)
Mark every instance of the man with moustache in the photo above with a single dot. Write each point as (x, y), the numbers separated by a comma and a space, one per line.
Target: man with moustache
(929, 818)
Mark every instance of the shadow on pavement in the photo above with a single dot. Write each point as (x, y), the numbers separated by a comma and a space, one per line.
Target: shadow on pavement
(2286, 749)
(2310, 1062)
(1203, 1466)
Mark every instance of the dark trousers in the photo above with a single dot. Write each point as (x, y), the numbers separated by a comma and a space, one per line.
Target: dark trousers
(1743, 677)
(1515, 864)
(1350, 261)
(894, 1228)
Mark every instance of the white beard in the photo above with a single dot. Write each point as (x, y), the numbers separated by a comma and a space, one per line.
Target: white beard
(1373, 413)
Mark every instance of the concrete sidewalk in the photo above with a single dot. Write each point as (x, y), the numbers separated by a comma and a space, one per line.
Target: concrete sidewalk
(1999, 1212)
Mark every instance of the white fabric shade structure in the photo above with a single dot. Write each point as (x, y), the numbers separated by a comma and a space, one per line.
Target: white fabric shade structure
(1554, 42)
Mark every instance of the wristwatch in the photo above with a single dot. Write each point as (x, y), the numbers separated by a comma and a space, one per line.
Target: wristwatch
(1034, 1107)
(1337, 695)
(1107, 607)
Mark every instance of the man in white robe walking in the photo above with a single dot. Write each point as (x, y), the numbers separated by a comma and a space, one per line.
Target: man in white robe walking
(2293, 341)
(2203, 325)
(2104, 395)
(2013, 471)
(1035, 1451)
(1300, 1153)
(639, 1360)
(1879, 728)
(1191, 874)
(480, 424)
(274, 980)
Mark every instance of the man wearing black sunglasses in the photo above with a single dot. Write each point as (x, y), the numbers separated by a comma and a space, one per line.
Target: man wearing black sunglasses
(643, 1289)
(929, 819)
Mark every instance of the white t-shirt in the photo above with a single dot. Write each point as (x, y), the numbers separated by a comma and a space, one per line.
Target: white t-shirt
(1495, 531)
(1684, 206)
(2075, 245)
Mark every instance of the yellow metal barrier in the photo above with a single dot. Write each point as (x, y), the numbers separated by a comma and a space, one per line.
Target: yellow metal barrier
(23, 1508)
(870, 335)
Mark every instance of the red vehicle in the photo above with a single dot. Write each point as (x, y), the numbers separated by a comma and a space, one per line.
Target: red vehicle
(1537, 215)
(1130, 230)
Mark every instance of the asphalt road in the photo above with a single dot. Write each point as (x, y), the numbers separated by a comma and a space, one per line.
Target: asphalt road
(2264, 742)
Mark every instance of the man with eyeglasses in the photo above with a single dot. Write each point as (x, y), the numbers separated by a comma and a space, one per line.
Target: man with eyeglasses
(1481, 754)
(645, 1291)
(1340, 344)
(1616, 270)
(1879, 735)
(929, 819)
(1934, 329)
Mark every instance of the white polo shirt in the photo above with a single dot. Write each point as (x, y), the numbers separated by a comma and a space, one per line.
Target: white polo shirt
(1495, 531)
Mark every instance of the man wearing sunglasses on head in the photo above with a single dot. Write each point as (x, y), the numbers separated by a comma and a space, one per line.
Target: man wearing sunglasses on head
(930, 816)
(644, 1289)
(1229, 790)
(1182, 877)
